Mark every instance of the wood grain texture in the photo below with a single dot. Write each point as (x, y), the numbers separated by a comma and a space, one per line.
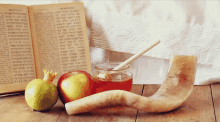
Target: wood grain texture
(116, 114)
(15, 109)
(197, 108)
(216, 100)
(7, 103)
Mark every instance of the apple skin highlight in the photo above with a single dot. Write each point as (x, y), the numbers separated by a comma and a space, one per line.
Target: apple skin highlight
(74, 85)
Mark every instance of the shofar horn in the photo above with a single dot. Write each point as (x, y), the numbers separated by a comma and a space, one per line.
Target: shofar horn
(173, 92)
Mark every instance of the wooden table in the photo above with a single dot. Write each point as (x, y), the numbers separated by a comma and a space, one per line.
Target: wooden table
(203, 105)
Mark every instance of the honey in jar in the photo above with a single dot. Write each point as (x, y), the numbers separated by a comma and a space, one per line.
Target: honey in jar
(105, 78)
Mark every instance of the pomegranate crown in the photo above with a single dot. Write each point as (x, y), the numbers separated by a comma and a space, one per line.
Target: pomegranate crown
(49, 76)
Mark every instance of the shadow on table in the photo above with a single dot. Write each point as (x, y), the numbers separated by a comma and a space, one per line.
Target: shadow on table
(116, 111)
(11, 94)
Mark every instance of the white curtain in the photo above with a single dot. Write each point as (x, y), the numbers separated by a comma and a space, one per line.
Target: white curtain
(185, 27)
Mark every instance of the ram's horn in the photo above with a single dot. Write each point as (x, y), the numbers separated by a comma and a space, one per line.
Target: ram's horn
(173, 92)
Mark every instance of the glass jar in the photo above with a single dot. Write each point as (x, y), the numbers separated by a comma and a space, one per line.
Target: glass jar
(105, 78)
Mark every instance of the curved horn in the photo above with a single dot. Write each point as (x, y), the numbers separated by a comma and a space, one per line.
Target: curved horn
(175, 89)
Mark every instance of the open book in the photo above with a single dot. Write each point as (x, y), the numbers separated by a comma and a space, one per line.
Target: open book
(33, 38)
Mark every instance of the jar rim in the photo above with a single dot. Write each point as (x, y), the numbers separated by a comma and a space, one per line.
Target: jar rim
(100, 66)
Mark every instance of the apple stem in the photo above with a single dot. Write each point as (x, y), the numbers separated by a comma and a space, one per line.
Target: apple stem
(49, 76)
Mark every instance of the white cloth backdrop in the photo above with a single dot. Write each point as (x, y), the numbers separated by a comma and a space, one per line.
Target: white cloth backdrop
(119, 28)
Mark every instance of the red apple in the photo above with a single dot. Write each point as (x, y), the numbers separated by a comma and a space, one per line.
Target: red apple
(74, 85)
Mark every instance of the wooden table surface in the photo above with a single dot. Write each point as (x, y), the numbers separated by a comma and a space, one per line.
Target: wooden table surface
(203, 105)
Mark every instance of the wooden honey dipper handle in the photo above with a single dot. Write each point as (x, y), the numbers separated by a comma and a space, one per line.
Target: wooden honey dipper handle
(136, 55)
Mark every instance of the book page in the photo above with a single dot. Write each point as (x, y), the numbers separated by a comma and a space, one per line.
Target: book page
(16, 51)
(60, 38)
